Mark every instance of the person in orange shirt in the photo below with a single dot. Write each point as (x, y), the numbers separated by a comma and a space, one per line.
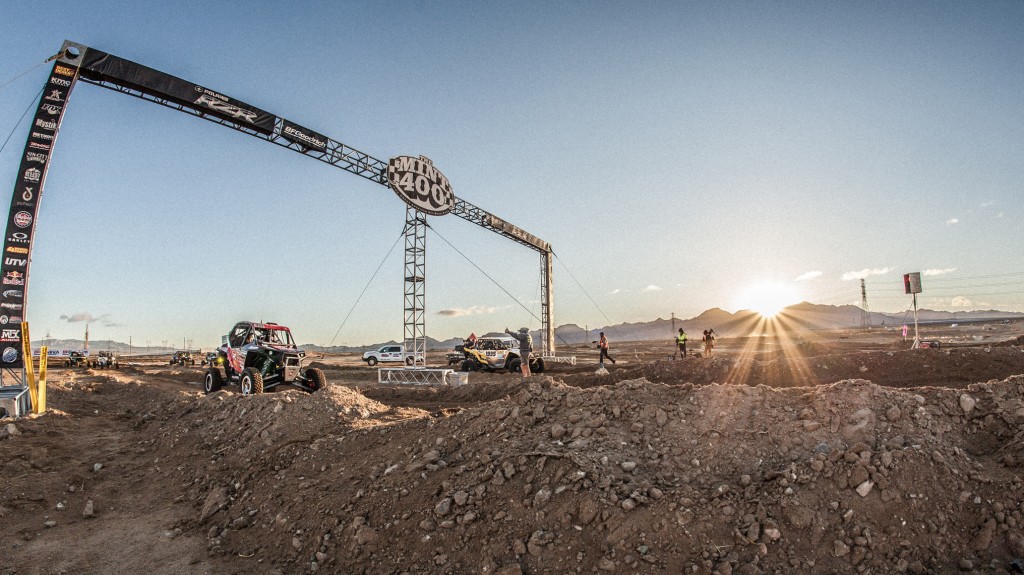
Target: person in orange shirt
(602, 343)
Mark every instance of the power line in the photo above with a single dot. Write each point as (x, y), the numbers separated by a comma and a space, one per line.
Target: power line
(354, 304)
(25, 113)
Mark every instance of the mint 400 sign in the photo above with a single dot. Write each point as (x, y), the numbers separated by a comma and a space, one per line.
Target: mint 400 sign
(421, 185)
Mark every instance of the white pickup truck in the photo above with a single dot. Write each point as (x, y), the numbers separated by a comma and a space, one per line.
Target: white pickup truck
(389, 354)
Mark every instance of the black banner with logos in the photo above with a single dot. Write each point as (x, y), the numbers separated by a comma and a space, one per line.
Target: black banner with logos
(101, 66)
(21, 221)
(303, 136)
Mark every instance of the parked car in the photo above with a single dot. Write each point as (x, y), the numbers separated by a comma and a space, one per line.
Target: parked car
(260, 357)
(393, 353)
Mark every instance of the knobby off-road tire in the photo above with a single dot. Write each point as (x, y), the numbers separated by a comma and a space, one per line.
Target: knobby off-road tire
(537, 366)
(515, 365)
(315, 379)
(213, 381)
(371, 361)
(251, 382)
(409, 361)
(470, 365)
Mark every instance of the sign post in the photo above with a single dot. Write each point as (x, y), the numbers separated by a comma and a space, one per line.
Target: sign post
(912, 285)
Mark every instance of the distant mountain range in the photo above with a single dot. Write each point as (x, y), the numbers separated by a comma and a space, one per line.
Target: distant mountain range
(800, 317)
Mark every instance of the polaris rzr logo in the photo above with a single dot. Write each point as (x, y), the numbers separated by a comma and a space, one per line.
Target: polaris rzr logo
(226, 108)
(23, 219)
(421, 185)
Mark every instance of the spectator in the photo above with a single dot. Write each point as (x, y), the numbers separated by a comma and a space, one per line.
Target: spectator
(602, 343)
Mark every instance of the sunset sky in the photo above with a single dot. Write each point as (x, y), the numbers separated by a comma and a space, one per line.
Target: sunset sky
(677, 156)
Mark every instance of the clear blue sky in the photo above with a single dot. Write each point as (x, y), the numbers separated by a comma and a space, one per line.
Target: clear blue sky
(675, 155)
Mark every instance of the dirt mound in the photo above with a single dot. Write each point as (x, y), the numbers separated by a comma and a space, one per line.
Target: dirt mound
(636, 477)
(141, 472)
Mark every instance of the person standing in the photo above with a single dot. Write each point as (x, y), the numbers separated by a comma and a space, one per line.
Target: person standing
(602, 343)
(525, 347)
(681, 342)
(709, 342)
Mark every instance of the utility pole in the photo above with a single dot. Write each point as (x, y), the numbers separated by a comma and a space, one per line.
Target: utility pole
(675, 348)
(865, 311)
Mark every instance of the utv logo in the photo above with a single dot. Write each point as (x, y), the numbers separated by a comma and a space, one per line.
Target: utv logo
(33, 175)
(42, 136)
(11, 306)
(34, 157)
(64, 71)
(17, 250)
(51, 125)
(56, 96)
(10, 355)
(23, 219)
(226, 108)
(7, 320)
(60, 82)
(18, 238)
(52, 109)
(13, 293)
(39, 146)
(13, 278)
(28, 194)
(18, 262)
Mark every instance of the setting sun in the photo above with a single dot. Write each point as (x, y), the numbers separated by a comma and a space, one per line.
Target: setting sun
(767, 299)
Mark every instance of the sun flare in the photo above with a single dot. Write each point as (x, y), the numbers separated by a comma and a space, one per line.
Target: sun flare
(767, 299)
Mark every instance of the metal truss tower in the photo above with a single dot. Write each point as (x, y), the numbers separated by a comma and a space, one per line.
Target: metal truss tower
(415, 284)
(865, 311)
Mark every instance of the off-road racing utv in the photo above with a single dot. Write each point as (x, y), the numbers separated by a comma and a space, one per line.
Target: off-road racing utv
(260, 357)
(497, 354)
(183, 358)
(107, 360)
(77, 359)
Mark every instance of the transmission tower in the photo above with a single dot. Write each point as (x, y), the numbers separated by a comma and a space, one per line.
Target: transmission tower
(865, 311)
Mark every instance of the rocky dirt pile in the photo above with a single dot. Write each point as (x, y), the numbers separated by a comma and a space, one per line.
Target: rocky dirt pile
(140, 472)
(635, 477)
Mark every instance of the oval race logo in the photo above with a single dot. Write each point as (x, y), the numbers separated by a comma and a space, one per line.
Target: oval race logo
(10, 355)
(22, 219)
(421, 185)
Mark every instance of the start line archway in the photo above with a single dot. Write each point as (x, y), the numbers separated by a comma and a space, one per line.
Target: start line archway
(424, 189)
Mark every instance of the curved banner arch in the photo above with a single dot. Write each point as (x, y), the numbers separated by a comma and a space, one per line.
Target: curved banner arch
(28, 189)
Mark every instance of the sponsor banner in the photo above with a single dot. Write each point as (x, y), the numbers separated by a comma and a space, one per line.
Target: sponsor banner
(101, 66)
(421, 185)
(303, 136)
(21, 218)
